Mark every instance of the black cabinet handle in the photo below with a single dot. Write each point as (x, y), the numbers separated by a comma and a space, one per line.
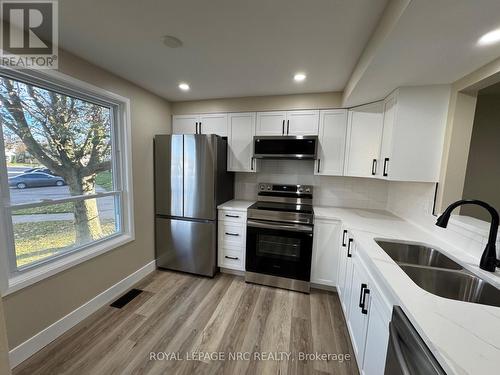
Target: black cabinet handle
(283, 128)
(232, 234)
(319, 163)
(287, 127)
(200, 127)
(235, 216)
(364, 310)
(251, 163)
(374, 167)
(196, 127)
(386, 161)
(363, 286)
(343, 238)
(233, 258)
(349, 254)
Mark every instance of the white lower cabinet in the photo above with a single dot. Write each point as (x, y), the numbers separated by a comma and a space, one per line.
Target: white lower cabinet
(358, 309)
(377, 336)
(366, 310)
(231, 240)
(342, 265)
(350, 250)
(325, 252)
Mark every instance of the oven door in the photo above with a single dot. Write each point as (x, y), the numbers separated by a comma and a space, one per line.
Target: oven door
(279, 249)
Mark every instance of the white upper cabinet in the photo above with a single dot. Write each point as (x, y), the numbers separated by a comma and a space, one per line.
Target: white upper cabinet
(215, 123)
(332, 138)
(271, 123)
(240, 142)
(364, 136)
(288, 123)
(414, 126)
(185, 124)
(302, 123)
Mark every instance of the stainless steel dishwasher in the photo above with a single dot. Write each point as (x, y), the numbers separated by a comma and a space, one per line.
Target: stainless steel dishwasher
(407, 353)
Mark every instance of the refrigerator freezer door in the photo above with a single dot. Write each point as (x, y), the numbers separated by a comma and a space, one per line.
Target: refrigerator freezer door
(188, 246)
(199, 176)
(169, 176)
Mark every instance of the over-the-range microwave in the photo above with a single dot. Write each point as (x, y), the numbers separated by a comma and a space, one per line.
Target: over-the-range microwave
(285, 147)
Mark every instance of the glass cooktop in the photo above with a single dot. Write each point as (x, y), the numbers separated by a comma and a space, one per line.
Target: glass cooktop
(286, 207)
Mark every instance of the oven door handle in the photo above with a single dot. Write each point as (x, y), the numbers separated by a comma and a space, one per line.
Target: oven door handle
(289, 227)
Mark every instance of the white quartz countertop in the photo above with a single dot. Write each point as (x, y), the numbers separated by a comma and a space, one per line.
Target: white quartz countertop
(236, 205)
(464, 337)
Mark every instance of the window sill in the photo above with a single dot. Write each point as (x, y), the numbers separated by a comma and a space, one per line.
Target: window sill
(37, 274)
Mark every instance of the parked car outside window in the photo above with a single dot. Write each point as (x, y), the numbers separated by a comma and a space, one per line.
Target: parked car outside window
(35, 179)
(40, 169)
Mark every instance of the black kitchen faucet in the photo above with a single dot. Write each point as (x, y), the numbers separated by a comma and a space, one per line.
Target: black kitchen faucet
(489, 261)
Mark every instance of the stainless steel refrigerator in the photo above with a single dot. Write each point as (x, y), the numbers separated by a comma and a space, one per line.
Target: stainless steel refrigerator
(191, 179)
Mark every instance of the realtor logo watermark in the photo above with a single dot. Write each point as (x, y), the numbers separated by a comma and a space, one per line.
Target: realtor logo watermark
(29, 34)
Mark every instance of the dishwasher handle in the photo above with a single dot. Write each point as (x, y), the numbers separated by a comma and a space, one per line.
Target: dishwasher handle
(407, 352)
(396, 349)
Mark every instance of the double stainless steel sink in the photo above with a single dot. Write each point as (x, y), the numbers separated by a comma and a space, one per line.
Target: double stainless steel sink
(436, 273)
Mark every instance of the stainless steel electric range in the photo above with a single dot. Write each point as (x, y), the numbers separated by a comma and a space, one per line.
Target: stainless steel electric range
(280, 237)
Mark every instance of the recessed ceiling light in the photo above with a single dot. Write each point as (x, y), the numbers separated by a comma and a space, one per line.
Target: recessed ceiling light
(172, 41)
(184, 86)
(299, 77)
(489, 38)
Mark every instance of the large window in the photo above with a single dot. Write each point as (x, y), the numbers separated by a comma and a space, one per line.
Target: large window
(63, 175)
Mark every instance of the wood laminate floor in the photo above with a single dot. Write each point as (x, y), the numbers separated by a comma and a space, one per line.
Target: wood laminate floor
(181, 315)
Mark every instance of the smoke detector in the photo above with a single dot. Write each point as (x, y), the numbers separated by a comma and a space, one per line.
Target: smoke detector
(171, 41)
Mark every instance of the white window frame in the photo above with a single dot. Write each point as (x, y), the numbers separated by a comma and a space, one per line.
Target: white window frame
(11, 279)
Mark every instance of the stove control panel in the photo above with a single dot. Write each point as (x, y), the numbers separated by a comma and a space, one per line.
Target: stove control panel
(292, 189)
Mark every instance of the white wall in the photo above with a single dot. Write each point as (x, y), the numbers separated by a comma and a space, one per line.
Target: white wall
(4, 351)
(328, 191)
(414, 201)
(260, 103)
(34, 308)
(482, 179)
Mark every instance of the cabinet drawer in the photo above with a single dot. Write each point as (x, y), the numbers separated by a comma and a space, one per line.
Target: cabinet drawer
(231, 259)
(231, 233)
(233, 216)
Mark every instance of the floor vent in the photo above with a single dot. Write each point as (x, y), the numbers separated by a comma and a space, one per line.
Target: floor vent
(126, 298)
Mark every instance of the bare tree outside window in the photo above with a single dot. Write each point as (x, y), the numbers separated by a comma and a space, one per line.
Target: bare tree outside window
(68, 136)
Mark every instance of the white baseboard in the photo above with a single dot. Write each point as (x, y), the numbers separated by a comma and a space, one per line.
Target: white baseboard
(52, 332)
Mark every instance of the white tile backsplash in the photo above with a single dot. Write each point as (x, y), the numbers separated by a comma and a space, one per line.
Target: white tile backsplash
(413, 201)
(328, 191)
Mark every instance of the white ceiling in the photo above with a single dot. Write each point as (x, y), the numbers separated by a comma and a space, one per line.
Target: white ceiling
(231, 47)
(434, 42)
(238, 48)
